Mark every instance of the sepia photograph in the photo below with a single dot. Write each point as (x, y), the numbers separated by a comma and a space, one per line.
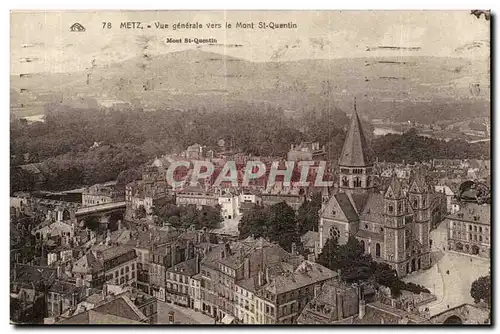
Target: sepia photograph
(250, 167)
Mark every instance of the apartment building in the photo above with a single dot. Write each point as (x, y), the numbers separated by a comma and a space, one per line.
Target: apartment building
(469, 230)
(254, 281)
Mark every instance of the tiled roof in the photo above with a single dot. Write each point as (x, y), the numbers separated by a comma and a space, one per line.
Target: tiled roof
(323, 309)
(87, 264)
(115, 251)
(63, 287)
(79, 319)
(374, 208)
(346, 206)
(355, 152)
(370, 235)
(305, 274)
(396, 187)
(122, 307)
(359, 201)
(33, 274)
(468, 211)
(188, 268)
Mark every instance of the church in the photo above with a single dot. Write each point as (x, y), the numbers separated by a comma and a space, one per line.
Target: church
(392, 224)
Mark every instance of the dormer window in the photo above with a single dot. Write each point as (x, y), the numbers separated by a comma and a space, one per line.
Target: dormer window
(391, 208)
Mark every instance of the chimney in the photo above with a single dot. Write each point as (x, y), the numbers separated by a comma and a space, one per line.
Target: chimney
(362, 308)
(222, 253)
(187, 251)
(172, 255)
(294, 248)
(267, 275)
(246, 268)
(260, 279)
(340, 308)
(104, 290)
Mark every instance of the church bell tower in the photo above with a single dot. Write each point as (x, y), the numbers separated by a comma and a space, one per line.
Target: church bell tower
(355, 163)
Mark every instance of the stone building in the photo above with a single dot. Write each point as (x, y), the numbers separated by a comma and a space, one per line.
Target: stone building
(253, 281)
(469, 230)
(393, 224)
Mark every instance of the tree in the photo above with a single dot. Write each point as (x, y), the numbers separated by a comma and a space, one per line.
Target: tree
(127, 176)
(209, 216)
(140, 212)
(328, 255)
(308, 214)
(282, 225)
(481, 290)
(274, 223)
(253, 222)
(356, 266)
(91, 222)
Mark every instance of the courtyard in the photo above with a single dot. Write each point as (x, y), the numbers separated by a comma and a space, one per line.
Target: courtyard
(451, 275)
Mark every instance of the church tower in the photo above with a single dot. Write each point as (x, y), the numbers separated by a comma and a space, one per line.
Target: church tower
(419, 198)
(396, 232)
(355, 163)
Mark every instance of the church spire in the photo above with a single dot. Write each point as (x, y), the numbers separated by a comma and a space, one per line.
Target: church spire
(355, 152)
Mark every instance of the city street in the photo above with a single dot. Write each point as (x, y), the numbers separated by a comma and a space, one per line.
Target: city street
(181, 315)
(451, 289)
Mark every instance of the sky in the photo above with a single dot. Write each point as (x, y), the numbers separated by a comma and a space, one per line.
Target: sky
(46, 39)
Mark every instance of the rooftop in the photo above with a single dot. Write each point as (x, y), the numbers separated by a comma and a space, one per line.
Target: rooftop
(473, 212)
(355, 152)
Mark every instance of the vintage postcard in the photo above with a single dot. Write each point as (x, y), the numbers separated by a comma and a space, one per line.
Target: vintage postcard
(250, 167)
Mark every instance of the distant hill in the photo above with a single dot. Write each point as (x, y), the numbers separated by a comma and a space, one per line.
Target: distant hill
(423, 89)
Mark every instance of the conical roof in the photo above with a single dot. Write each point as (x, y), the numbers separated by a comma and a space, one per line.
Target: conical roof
(355, 152)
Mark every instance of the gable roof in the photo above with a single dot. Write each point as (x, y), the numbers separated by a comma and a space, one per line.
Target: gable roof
(340, 206)
(87, 264)
(418, 182)
(121, 307)
(355, 152)
(347, 207)
(395, 189)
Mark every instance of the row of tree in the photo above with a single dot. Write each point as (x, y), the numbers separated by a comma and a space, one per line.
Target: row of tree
(280, 223)
(186, 215)
(128, 138)
(355, 266)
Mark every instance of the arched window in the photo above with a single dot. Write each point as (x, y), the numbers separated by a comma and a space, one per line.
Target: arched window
(400, 207)
(415, 203)
(363, 245)
(391, 208)
(357, 182)
(377, 249)
(345, 182)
